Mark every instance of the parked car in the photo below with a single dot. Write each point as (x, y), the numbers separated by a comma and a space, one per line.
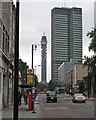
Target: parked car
(78, 97)
(51, 96)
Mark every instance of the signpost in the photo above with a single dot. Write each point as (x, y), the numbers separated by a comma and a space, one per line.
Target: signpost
(29, 76)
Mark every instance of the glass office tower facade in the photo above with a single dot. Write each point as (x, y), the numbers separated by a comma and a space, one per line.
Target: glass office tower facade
(66, 37)
(95, 14)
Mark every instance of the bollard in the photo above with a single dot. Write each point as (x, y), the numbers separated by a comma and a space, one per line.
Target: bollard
(30, 101)
(33, 99)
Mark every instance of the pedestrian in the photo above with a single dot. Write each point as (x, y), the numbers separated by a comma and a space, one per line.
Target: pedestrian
(19, 98)
(25, 98)
(33, 106)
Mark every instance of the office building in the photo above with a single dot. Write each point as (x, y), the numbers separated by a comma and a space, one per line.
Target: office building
(95, 14)
(66, 37)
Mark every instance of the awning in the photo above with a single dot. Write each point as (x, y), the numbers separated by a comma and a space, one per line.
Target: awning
(25, 86)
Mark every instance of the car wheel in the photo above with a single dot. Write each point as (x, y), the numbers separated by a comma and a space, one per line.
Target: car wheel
(84, 101)
(56, 100)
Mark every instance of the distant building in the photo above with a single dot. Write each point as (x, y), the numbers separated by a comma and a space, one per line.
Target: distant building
(66, 37)
(78, 73)
(62, 70)
(74, 76)
(43, 58)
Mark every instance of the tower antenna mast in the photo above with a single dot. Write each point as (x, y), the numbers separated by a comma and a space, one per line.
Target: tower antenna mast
(64, 3)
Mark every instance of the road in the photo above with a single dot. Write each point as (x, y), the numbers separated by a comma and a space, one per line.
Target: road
(64, 108)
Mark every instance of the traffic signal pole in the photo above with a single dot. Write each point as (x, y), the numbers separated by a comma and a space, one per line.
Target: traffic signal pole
(15, 111)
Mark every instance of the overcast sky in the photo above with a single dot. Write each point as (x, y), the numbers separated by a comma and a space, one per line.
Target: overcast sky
(35, 19)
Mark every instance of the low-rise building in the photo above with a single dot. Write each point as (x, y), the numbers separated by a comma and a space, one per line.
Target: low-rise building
(7, 37)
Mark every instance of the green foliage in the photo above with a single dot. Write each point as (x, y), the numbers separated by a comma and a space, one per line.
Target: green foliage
(42, 86)
(81, 87)
(23, 68)
(35, 80)
(92, 35)
(89, 61)
(52, 84)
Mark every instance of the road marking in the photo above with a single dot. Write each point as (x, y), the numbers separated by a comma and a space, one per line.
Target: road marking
(52, 108)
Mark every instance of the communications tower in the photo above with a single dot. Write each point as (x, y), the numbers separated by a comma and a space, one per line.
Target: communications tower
(43, 58)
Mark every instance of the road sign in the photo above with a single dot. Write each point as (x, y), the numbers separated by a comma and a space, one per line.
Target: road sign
(29, 71)
(29, 79)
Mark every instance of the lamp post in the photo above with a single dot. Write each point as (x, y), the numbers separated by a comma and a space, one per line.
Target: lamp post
(32, 54)
(15, 112)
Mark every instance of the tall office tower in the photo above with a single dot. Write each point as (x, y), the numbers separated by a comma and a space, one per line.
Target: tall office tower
(95, 14)
(43, 55)
(66, 37)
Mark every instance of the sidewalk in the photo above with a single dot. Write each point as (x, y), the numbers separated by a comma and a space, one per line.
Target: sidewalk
(22, 112)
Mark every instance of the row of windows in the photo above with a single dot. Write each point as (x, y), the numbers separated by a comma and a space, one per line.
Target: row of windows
(5, 42)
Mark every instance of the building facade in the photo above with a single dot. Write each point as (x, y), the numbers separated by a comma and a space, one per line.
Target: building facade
(78, 72)
(74, 77)
(66, 37)
(95, 14)
(62, 70)
(7, 28)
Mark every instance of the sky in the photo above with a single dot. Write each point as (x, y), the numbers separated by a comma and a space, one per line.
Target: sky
(35, 19)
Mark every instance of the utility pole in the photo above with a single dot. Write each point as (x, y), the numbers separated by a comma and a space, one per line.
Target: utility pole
(32, 57)
(15, 111)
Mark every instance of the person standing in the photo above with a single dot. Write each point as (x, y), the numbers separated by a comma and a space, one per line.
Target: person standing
(25, 98)
(19, 98)
(33, 106)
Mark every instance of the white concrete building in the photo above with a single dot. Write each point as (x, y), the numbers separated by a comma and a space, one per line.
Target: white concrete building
(65, 67)
(6, 51)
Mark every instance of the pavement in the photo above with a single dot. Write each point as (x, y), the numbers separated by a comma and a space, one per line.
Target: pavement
(23, 112)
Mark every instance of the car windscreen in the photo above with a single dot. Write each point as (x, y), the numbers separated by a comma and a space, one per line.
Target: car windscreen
(78, 95)
(52, 93)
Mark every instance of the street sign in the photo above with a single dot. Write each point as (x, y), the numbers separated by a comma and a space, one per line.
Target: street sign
(29, 71)
(29, 79)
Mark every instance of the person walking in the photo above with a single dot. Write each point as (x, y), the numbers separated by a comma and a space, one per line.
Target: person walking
(19, 98)
(25, 98)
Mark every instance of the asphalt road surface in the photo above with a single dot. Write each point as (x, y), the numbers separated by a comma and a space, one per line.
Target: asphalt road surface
(65, 108)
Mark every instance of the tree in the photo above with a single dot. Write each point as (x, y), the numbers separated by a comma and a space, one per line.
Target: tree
(81, 87)
(41, 86)
(92, 35)
(35, 80)
(90, 62)
(52, 84)
(23, 69)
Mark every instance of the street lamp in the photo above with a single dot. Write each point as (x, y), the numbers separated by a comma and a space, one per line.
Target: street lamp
(34, 47)
(15, 112)
(32, 53)
(36, 67)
